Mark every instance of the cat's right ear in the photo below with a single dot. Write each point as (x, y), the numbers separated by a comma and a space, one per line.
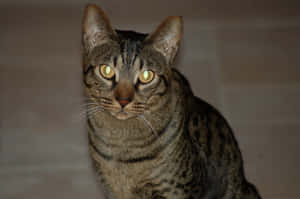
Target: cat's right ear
(96, 28)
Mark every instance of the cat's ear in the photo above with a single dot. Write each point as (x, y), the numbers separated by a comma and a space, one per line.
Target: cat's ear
(96, 28)
(166, 37)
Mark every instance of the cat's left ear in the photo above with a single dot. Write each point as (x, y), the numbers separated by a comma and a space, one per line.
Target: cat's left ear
(166, 38)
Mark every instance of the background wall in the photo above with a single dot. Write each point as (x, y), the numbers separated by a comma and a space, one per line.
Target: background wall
(241, 56)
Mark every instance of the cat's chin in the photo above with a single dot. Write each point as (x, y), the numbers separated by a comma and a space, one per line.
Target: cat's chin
(122, 115)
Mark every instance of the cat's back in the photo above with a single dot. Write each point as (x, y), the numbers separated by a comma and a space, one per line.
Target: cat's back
(208, 128)
(214, 140)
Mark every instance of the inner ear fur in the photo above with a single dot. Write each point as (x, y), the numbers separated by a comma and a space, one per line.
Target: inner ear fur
(96, 28)
(166, 38)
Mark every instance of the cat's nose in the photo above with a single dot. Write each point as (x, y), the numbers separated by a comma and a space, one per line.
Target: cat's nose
(124, 93)
(123, 101)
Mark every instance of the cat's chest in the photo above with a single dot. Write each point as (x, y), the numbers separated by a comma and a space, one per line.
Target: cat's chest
(125, 179)
(140, 180)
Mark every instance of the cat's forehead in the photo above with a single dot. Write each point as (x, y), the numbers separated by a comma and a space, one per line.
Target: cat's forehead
(132, 59)
(131, 35)
(130, 44)
(129, 53)
(124, 63)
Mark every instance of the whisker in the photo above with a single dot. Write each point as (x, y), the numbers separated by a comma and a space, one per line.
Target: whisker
(138, 108)
(88, 104)
(92, 109)
(79, 117)
(87, 108)
(105, 98)
(105, 102)
(140, 103)
(138, 111)
(148, 124)
(92, 112)
(86, 100)
(87, 111)
(109, 106)
(95, 112)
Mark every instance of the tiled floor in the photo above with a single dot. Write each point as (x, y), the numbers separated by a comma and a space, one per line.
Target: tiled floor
(247, 66)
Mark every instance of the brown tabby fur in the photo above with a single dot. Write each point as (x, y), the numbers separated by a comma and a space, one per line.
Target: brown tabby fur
(165, 143)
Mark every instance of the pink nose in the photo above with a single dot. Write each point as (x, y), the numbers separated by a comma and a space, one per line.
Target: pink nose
(123, 102)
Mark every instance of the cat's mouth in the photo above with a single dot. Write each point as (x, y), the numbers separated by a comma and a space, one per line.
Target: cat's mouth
(122, 112)
(122, 115)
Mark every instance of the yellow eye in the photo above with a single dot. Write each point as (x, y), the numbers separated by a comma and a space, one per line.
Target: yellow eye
(146, 76)
(107, 71)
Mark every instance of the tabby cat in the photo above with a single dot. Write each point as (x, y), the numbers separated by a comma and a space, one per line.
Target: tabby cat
(149, 136)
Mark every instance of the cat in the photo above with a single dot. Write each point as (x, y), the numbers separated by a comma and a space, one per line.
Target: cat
(149, 136)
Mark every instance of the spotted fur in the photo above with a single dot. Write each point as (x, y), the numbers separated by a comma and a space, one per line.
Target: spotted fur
(165, 143)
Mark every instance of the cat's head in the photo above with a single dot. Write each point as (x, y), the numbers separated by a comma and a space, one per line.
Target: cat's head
(128, 73)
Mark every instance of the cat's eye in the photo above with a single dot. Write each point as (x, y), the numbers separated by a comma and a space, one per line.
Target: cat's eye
(107, 71)
(146, 76)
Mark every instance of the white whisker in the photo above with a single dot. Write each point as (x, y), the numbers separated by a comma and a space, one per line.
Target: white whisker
(87, 111)
(95, 112)
(148, 124)
(88, 104)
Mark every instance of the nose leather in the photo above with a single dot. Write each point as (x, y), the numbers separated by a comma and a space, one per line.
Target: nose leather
(124, 93)
(123, 102)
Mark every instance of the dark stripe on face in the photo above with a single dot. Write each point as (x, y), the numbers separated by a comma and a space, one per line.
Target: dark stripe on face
(85, 73)
(141, 64)
(166, 84)
(122, 49)
(134, 59)
(115, 59)
(103, 52)
(86, 84)
(114, 83)
(129, 50)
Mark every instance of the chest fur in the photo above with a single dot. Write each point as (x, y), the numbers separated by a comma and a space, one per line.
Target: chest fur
(136, 180)
(124, 180)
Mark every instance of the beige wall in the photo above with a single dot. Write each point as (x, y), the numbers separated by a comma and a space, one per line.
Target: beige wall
(240, 56)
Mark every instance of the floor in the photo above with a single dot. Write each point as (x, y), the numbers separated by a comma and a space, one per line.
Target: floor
(245, 62)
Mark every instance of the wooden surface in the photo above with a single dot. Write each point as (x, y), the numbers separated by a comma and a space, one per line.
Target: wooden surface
(246, 64)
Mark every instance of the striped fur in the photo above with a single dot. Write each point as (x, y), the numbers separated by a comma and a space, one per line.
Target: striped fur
(165, 143)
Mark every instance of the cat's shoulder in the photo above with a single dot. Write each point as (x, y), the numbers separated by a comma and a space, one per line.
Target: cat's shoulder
(194, 104)
(199, 107)
(182, 80)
